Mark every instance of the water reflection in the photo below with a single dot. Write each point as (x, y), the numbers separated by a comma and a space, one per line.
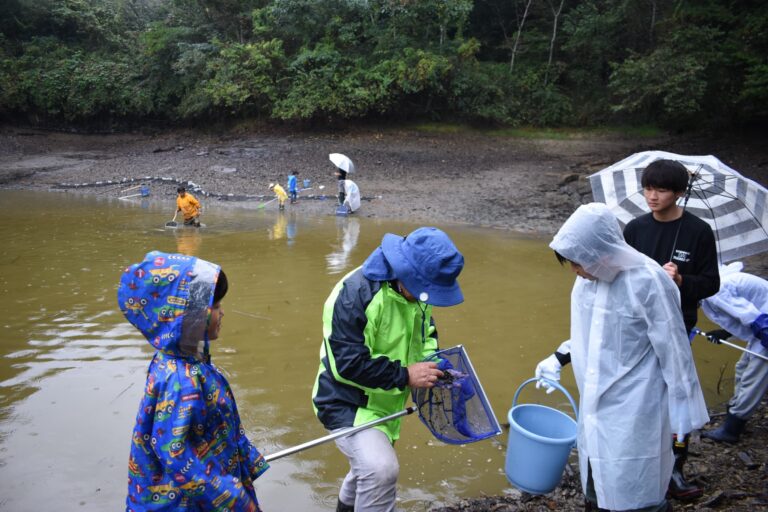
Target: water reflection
(277, 231)
(347, 231)
(188, 240)
(72, 369)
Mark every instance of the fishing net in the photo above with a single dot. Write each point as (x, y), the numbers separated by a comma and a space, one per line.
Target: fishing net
(456, 409)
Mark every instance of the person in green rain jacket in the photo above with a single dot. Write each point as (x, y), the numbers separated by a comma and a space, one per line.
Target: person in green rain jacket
(377, 330)
(189, 450)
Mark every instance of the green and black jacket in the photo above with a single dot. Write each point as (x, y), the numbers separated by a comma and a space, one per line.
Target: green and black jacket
(371, 334)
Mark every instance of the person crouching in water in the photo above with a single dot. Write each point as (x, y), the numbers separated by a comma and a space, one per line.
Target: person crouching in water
(189, 207)
(280, 194)
(189, 449)
(632, 363)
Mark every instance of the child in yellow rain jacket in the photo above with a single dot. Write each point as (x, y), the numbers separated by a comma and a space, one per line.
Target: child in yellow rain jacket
(279, 193)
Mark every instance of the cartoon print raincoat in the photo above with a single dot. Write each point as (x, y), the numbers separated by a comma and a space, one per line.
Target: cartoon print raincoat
(631, 360)
(189, 449)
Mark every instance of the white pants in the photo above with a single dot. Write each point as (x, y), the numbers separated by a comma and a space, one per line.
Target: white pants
(371, 484)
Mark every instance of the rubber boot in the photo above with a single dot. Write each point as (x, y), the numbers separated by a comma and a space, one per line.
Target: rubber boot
(590, 507)
(342, 195)
(728, 432)
(341, 507)
(679, 489)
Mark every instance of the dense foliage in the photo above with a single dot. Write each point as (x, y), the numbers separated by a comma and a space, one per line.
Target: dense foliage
(534, 62)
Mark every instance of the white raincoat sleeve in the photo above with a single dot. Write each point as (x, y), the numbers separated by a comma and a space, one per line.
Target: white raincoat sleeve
(352, 195)
(666, 332)
(565, 347)
(741, 299)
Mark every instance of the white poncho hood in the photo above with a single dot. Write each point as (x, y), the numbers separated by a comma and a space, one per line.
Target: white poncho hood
(591, 238)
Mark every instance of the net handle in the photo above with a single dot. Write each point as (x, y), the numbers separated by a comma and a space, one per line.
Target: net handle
(336, 435)
(552, 383)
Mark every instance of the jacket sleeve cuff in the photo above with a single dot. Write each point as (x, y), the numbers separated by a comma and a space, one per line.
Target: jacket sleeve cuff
(402, 378)
(563, 359)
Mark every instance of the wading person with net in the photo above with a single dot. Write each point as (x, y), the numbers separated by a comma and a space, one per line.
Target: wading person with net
(377, 331)
(632, 364)
(684, 246)
(189, 207)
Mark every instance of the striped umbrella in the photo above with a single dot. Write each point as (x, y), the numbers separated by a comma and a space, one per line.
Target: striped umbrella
(735, 207)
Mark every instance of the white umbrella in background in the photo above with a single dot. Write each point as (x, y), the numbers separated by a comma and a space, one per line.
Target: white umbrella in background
(735, 207)
(342, 162)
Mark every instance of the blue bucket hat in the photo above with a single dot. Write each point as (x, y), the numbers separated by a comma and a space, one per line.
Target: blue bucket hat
(426, 262)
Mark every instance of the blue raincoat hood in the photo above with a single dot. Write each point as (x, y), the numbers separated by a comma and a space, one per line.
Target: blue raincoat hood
(168, 297)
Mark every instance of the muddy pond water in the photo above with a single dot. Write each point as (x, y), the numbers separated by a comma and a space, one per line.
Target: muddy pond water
(72, 369)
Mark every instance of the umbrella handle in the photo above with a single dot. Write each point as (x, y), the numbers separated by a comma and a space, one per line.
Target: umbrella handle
(688, 191)
(341, 433)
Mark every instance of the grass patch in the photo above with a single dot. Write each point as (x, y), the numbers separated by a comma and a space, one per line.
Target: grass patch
(443, 128)
(638, 131)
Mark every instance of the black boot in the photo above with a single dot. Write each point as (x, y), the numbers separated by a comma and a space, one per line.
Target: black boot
(341, 507)
(728, 432)
(591, 507)
(679, 489)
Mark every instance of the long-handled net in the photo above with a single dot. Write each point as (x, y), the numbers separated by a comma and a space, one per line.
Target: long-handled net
(456, 410)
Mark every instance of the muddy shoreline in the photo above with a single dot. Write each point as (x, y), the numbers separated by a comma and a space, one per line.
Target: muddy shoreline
(525, 185)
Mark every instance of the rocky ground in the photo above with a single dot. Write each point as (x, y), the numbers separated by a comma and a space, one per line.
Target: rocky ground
(526, 185)
(734, 478)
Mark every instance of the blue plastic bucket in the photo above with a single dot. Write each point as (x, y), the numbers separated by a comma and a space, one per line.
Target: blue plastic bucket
(306, 183)
(540, 440)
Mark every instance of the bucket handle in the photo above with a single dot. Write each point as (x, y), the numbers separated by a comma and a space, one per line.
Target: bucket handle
(552, 383)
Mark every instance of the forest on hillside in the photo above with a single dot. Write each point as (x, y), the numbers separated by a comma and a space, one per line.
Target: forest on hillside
(672, 63)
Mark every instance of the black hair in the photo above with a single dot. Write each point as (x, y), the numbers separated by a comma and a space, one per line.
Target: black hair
(222, 285)
(181, 189)
(667, 174)
(562, 259)
(342, 174)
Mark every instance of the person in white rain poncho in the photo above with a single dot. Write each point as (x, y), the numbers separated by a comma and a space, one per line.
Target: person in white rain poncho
(741, 309)
(351, 196)
(632, 362)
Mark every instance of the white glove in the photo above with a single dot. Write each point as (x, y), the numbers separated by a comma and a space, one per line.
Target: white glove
(548, 369)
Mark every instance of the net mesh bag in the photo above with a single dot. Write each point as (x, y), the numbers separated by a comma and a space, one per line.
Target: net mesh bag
(456, 409)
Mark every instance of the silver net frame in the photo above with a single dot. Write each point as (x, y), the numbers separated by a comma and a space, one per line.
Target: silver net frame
(456, 410)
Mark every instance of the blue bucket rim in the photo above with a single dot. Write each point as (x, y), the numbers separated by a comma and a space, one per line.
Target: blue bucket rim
(536, 437)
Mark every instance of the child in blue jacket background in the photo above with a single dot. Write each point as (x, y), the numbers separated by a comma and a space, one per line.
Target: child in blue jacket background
(189, 449)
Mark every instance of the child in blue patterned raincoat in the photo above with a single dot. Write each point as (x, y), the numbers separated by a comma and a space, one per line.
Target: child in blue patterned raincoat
(189, 449)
